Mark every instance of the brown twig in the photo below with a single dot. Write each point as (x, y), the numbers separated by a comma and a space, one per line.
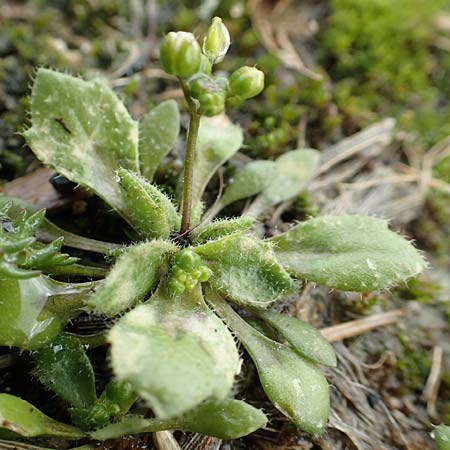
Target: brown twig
(431, 389)
(355, 327)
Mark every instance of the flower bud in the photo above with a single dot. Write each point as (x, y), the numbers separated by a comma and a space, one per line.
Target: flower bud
(187, 260)
(217, 41)
(209, 93)
(205, 274)
(180, 54)
(175, 287)
(246, 82)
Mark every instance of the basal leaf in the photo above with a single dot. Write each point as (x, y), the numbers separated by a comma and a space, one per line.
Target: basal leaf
(302, 337)
(225, 419)
(245, 269)
(175, 352)
(150, 211)
(218, 140)
(23, 419)
(64, 367)
(84, 131)
(442, 437)
(29, 320)
(134, 274)
(158, 132)
(350, 253)
(220, 228)
(249, 181)
(293, 384)
(293, 172)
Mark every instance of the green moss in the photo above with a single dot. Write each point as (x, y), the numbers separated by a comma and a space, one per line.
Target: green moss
(414, 365)
(379, 54)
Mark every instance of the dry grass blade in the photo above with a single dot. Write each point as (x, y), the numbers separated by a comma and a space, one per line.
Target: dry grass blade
(274, 22)
(164, 440)
(356, 327)
(431, 390)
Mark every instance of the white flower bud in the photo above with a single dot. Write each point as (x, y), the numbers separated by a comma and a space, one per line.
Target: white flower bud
(217, 41)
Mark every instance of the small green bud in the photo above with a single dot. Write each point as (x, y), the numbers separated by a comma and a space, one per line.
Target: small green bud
(195, 274)
(205, 65)
(187, 260)
(212, 104)
(175, 287)
(180, 54)
(99, 414)
(205, 274)
(217, 41)
(210, 94)
(179, 273)
(112, 408)
(246, 82)
(118, 392)
(190, 284)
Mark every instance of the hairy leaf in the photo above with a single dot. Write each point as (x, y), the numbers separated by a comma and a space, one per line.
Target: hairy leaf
(151, 212)
(350, 253)
(225, 419)
(245, 269)
(220, 228)
(64, 368)
(302, 337)
(249, 181)
(134, 274)
(84, 131)
(158, 132)
(293, 172)
(442, 437)
(23, 419)
(294, 385)
(218, 140)
(175, 352)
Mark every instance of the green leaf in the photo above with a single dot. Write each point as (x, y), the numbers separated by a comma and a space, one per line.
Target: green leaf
(294, 170)
(19, 251)
(84, 131)
(175, 352)
(48, 231)
(218, 140)
(249, 181)
(133, 275)
(28, 319)
(225, 419)
(442, 437)
(350, 253)
(150, 211)
(115, 400)
(64, 368)
(302, 337)
(294, 385)
(158, 132)
(23, 419)
(220, 228)
(245, 269)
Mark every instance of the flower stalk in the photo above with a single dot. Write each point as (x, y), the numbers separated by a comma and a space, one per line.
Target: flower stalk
(189, 157)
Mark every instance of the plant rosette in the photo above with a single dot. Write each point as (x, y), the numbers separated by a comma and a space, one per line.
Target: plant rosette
(172, 292)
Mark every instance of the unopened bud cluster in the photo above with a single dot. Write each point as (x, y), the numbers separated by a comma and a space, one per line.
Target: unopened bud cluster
(187, 272)
(181, 55)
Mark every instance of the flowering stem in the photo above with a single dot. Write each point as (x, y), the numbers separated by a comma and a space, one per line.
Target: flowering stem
(194, 123)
